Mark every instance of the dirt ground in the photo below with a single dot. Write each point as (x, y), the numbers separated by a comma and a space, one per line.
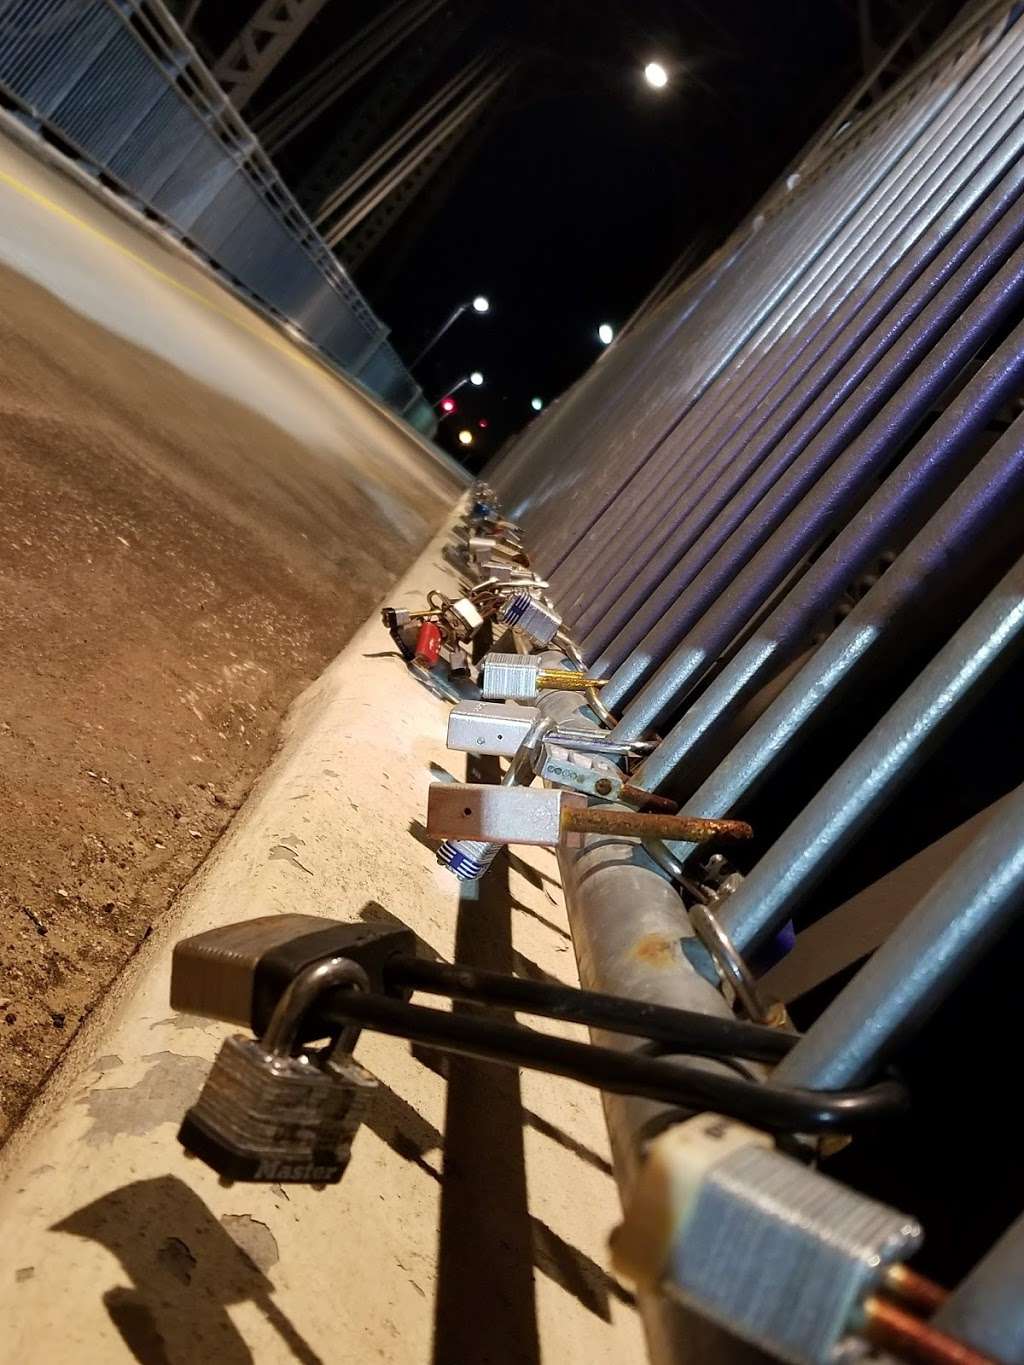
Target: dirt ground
(173, 570)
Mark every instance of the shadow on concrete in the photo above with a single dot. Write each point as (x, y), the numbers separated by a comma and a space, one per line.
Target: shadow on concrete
(485, 1310)
(185, 1269)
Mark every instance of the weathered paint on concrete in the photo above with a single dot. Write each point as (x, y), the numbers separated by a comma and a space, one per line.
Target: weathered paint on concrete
(486, 1244)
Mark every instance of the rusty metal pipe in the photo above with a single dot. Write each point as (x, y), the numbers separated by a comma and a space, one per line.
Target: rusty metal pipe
(634, 825)
(912, 1288)
(894, 1329)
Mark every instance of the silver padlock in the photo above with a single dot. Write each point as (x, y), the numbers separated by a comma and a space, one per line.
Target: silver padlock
(273, 1112)
(458, 663)
(535, 619)
(510, 677)
(505, 571)
(469, 858)
(465, 617)
(481, 547)
(785, 1257)
(489, 727)
(522, 677)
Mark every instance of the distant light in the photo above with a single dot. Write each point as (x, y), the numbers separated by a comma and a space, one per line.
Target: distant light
(482, 303)
(483, 423)
(606, 333)
(448, 404)
(465, 438)
(476, 378)
(656, 75)
(536, 404)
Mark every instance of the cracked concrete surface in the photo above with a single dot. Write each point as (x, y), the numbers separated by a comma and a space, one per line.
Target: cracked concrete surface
(471, 1226)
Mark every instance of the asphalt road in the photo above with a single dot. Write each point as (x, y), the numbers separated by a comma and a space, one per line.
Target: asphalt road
(194, 517)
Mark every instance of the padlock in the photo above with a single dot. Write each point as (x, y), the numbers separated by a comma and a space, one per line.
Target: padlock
(401, 627)
(468, 858)
(505, 571)
(521, 677)
(428, 644)
(480, 547)
(272, 1112)
(238, 972)
(588, 774)
(458, 662)
(465, 617)
(535, 619)
(488, 727)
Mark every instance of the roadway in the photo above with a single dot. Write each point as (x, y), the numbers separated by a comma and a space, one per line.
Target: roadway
(195, 517)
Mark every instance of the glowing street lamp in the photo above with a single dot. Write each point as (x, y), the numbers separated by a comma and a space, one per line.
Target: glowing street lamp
(655, 75)
(480, 304)
(536, 404)
(465, 437)
(606, 333)
(474, 377)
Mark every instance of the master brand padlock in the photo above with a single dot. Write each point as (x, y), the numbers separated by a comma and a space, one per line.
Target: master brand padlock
(271, 1112)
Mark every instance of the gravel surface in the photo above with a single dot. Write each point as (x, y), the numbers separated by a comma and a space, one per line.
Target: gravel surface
(173, 570)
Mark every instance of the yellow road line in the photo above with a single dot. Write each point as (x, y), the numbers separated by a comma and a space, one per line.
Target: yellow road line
(259, 329)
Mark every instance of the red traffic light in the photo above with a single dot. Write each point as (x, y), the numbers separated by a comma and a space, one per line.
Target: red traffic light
(483, 422)
(448, 405)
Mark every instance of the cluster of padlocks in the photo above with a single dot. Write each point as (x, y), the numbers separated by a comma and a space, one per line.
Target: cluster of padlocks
(584, 769)
(275, 1110)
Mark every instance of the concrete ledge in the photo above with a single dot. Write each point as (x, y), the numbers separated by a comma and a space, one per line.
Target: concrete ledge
(485, 1245)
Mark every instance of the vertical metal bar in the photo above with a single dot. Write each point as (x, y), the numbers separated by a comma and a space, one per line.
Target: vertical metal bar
(986, 1309)
(989, 639)
(797, 376)
(964, 519)
(716, 614)
(925, 957)
(718, 333)
(863, 231)
(981, 507)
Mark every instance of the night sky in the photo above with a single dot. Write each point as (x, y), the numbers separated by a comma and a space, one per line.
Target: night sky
(584, 185)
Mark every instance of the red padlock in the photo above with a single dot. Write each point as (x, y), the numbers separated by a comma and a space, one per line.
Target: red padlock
(428, 644)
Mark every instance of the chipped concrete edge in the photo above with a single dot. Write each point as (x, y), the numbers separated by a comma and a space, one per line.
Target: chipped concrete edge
(116, 1242)
(296, 725)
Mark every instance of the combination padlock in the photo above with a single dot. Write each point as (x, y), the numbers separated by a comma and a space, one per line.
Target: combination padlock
(271, 1111)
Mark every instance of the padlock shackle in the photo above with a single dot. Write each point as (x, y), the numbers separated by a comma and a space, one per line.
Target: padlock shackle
(301, 995)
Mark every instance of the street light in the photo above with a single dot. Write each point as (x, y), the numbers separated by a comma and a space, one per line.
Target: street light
(465, 437)
(536, 404)
(474, 377)
(606, 333)
(656, 75)
(480, 304)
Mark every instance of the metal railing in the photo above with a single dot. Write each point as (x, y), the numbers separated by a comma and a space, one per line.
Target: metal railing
(119, 84)
(782, 514)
